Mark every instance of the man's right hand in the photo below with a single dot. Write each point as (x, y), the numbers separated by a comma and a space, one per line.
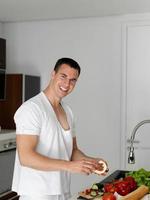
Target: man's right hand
(84, 166)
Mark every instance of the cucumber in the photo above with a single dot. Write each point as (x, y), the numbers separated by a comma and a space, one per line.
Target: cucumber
(100, 193)
(93, 193)
(97, 186)
(94, 186)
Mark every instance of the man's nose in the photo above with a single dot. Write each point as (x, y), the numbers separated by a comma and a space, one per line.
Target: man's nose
(67, 82)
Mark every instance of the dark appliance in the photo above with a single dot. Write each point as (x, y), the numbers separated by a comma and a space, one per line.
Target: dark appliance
(2, 53)
(7, 158)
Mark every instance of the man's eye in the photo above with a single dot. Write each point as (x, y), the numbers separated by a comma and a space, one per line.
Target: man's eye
(73, 81)
(62, 77)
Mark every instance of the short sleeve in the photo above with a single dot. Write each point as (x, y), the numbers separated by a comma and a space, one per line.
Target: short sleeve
(28, 119)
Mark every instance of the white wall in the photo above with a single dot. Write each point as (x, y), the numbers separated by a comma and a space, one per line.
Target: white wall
(34, 47)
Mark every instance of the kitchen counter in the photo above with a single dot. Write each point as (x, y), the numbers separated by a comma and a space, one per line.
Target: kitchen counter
(146, 197)
(13, 195)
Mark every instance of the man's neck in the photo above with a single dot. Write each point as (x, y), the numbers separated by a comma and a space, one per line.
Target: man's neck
(55, 102)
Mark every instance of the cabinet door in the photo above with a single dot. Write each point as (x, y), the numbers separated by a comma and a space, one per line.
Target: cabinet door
(2, 84)
(2, 53)
(137, 93)
(12, 102)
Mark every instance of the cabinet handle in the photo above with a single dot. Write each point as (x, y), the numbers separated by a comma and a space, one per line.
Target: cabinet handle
(135, 141)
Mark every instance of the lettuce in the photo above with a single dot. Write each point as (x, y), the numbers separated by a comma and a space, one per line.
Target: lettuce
(141, 176)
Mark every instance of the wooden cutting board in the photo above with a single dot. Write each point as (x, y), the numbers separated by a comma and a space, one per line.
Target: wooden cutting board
(86, 196)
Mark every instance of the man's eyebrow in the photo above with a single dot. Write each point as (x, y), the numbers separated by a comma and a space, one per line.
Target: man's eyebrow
(63, 74)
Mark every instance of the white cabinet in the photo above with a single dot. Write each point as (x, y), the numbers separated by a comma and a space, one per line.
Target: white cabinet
(136, 92)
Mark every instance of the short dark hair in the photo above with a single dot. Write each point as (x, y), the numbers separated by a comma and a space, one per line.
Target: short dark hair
(69, 61)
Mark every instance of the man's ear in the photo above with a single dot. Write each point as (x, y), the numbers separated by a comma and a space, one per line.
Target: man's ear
(53, 74)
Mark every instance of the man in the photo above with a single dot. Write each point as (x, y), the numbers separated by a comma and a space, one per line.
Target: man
(47, 150)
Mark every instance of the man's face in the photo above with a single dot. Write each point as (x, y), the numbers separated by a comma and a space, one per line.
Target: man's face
(64, 80)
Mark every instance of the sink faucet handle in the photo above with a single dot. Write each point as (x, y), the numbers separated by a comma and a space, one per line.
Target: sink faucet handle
(131, 157)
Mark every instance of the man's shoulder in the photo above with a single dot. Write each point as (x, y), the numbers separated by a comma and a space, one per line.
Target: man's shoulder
(34, 103)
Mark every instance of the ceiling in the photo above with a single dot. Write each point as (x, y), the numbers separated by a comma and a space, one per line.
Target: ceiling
(27, 10)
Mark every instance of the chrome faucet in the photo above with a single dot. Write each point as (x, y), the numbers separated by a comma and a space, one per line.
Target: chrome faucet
(131, 157)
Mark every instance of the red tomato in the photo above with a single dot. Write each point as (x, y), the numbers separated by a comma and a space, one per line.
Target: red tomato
(123, 187)
(108, 196)
(132, 182)
(129, 179)
(87, 191)
(109, 187)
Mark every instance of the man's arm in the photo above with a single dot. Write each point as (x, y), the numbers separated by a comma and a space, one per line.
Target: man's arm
(29, 157)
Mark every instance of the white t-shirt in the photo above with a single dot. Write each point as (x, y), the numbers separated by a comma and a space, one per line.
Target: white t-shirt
(37, 117)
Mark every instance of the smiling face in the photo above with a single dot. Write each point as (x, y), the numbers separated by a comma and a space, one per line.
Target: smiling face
(63, 81)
